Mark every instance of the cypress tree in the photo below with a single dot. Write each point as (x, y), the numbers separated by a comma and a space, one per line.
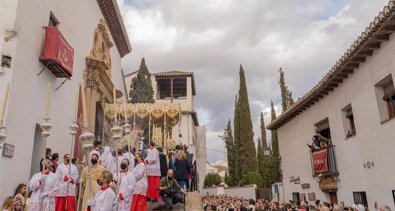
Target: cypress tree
(141, 90)
(236, 139)
(266, 165)
(260, 158)
(246, 152)
(275, 147)
(286, 94)
(275, 164)
(231, 153)
(263, 130)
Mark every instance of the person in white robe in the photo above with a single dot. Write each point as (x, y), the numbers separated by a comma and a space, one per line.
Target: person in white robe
(153, 172)
(67, 174)
(43, 185)
(107, 158)
(129, 155)
(125, 185)
(105, 199)
(139, 200)
(97, 147)
(114, 169)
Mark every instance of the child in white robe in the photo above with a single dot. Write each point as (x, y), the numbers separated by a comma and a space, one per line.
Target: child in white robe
(125, 185)
(105, 199)
(43, 185)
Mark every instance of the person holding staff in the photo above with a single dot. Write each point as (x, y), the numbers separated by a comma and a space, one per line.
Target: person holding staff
(43, 185)
(90, 174)
(67, 174)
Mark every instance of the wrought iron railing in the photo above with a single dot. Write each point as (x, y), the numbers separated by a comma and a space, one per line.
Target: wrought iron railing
(195, 178)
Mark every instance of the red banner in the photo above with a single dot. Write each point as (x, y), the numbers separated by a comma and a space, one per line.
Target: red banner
(57, 55)
(320, 161)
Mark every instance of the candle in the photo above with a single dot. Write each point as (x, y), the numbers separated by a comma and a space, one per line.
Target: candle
(48, 98)
(114, 94)
(124, 106)
(7, 90)
(76, 106)
(84, 111)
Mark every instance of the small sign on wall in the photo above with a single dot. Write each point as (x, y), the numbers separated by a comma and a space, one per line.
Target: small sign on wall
(8, 150)
(311, 196)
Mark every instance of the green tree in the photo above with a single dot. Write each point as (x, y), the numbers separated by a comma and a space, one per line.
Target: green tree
(141, 90)
(236, 138)
(286, 94)
(260, 157)
(228, 180)
(231, 153)
(246, 152)
(252, 177)
(265, 170)
(275, 157)
(212, 179)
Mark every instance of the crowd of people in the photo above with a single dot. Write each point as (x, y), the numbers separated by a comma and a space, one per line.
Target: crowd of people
(123, 180)
(229, 203)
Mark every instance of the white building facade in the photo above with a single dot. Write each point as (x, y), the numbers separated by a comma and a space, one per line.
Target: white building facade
(95, 31)
(353, 106)
(179, 87)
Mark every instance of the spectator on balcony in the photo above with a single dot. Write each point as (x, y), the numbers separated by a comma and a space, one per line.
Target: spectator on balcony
(319, 142)
(316, 145)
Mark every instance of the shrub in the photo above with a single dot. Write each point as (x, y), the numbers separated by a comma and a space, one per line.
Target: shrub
(212, 179)
(253, 177)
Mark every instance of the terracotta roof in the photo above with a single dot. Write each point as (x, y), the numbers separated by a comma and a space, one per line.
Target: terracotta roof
(112, 14)
(378, 31)
(176, 73)
(173, 73)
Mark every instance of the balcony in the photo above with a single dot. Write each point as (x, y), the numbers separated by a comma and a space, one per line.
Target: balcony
(323, 162)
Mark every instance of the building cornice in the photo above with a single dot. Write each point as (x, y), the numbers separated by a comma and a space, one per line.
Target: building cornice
(176, 73)
(112, 15)
(378, 31)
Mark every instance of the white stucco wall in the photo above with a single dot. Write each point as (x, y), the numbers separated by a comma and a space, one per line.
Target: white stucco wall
(78, 20)
(246, 192)
(201, 154)
(374, 140)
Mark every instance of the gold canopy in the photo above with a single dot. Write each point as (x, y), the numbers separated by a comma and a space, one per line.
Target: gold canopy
(171, 111)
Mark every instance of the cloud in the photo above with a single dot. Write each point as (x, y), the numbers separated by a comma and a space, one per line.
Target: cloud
(213, 37)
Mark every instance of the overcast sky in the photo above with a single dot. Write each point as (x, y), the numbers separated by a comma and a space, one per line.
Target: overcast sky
(213, 37)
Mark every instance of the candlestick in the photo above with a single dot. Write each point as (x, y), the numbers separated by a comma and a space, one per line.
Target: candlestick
(124, 107)
(48, 98)
(7, 90)
(84, 111)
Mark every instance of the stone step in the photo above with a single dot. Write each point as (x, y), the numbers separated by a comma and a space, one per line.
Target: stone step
(193, 201)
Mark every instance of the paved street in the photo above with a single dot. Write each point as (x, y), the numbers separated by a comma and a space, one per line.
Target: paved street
(177, 207)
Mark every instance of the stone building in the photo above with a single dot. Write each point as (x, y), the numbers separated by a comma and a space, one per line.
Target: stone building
(61, 42)
(179, 87)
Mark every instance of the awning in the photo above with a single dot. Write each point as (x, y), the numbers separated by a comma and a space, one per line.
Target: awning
(57, 54)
